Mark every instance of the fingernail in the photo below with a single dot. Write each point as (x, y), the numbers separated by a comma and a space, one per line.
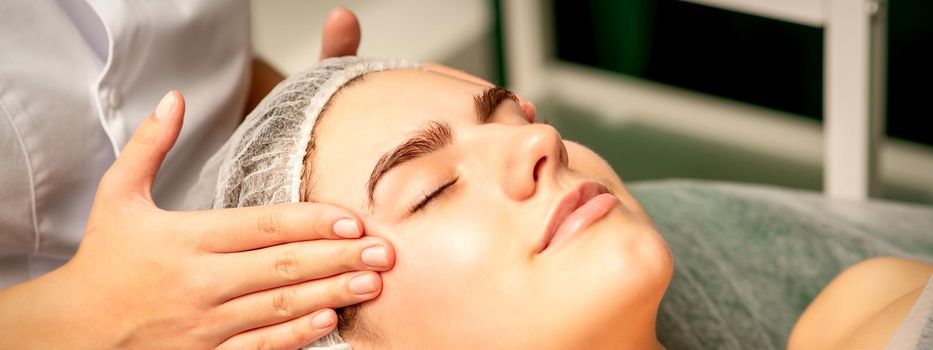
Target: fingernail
(165, 105)
(363, 284)
(323, 320)
(346, 228)
(375, 257)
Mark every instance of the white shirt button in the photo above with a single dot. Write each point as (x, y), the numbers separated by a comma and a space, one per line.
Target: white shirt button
(115, 99)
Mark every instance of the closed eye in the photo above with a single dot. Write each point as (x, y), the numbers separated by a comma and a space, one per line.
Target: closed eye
(431, 196)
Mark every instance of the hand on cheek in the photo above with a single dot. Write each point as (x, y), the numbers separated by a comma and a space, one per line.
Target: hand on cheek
(267, 276)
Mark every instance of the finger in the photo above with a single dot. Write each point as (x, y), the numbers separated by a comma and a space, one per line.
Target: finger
(241, 229)
(288, 264)
(288, 335)
(527, 107)
(135, 168)
(287, 303)
(341, 34)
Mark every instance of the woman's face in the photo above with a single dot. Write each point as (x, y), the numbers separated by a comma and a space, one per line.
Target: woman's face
(469, 204)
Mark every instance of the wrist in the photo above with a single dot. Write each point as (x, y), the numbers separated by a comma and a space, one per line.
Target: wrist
(44, 313)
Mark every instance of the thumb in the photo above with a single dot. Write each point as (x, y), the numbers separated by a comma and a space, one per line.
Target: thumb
(135, 168)
(341, 34)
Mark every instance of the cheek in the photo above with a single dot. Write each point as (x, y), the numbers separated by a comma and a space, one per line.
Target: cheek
(456, 248)
(448, 267)
(446, 248)
(586, 161)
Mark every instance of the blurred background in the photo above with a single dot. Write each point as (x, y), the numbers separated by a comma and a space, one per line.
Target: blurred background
(660, 88)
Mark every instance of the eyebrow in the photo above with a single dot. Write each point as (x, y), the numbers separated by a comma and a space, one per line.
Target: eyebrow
(489, 100)
(434, 137)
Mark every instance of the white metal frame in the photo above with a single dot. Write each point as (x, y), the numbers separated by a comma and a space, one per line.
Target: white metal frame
(853, 77)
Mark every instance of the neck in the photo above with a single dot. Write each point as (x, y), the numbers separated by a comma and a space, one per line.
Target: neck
(643, 341)
(632, 343)
(636, 330)
(648, 342)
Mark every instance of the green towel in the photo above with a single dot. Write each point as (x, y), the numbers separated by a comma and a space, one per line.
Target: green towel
(749, 259)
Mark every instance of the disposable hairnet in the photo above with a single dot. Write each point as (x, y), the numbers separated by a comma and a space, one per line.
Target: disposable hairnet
(262, 162)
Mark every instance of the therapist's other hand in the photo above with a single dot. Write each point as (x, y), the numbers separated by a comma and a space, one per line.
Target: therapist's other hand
(244, 278)
(341, 34)
(341, 37)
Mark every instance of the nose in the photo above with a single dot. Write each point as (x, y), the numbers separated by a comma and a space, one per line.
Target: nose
(533, 155)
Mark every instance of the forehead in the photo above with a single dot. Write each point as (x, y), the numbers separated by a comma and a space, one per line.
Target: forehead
(371, 117)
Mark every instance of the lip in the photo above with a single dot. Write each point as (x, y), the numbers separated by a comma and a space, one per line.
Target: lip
(576, 210)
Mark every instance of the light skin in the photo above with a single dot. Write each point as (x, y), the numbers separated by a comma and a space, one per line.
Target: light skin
(469, 214)
(477, 239)
(144, 277)
(863, 306)
(132, 281)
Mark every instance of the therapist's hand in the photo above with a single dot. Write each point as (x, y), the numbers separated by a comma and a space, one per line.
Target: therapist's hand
(244, 278)
(341, 37)
(341, 34)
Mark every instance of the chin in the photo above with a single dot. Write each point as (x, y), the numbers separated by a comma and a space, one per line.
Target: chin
(632, 261)
(626, 267)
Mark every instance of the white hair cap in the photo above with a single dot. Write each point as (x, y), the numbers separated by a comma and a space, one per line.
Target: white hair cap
(263, 160)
